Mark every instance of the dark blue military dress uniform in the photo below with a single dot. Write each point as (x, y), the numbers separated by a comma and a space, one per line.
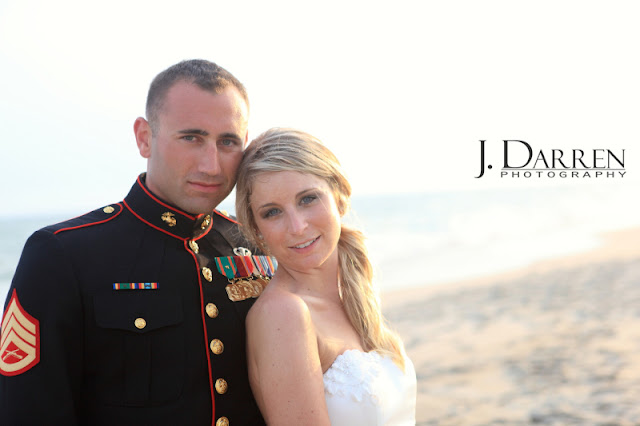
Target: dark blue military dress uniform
(123, 319)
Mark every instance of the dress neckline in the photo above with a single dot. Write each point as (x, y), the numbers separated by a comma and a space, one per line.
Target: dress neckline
(349, 354)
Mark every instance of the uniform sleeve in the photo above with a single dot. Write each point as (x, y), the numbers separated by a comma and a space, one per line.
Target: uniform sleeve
(44, 298)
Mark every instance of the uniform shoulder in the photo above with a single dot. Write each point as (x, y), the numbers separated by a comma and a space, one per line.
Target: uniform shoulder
(224, 215)
(227, 225)
(224, 222)
(95, 217)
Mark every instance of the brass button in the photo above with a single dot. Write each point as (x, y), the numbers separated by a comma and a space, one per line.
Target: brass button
(108, 209)
(222, 421)
(221, 386)
(206, 222)
(194, 246)
(212, 310)
(224, 212)
(169, 218)
(206, 272)
(140, 323)
(216, 346)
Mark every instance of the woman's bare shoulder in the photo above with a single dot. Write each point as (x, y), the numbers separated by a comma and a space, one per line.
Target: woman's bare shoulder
(278, 306)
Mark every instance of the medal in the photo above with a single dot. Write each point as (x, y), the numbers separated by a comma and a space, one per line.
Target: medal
(241, 289)
(247, 275)
(226, 266)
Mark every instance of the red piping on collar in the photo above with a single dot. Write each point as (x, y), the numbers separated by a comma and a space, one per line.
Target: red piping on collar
(157, 200)
(151, 224)
(226, 217)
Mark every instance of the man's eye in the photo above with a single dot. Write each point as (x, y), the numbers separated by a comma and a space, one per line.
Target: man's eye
(189, 138)
(228, 142)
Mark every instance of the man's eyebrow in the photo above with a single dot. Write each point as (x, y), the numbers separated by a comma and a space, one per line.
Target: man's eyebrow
(205, 133)
(230, 136)
(194, 132)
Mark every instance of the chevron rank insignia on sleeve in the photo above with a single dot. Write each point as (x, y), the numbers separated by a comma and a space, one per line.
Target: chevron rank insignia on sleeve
(19, 339)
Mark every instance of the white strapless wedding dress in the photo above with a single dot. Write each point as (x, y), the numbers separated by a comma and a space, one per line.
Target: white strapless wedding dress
(368, 389)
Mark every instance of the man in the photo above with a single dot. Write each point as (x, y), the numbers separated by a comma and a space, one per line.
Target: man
(120, 316)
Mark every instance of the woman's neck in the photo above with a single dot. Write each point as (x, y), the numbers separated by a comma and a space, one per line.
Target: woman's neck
(317, 282)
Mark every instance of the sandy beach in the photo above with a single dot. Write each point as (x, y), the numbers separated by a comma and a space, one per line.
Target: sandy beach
(556, 343)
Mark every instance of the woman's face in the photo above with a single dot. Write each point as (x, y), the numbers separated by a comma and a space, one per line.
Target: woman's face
(296, 214)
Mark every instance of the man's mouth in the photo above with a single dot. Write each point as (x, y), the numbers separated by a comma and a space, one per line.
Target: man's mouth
(205, 186)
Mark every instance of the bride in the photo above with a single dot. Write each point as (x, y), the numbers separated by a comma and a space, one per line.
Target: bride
(319, 352)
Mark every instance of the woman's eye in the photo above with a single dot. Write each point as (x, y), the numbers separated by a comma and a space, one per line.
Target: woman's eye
(307, 199)
(270, 213)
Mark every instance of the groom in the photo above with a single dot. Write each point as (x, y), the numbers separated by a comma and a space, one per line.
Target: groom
(120, 316)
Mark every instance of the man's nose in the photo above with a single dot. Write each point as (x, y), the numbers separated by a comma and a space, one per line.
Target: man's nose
(209, 161)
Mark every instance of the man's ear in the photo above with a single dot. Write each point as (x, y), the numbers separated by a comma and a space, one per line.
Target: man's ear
(142, 130)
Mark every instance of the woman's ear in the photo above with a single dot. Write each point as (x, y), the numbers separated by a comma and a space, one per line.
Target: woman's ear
(260, 241)
(342, 205)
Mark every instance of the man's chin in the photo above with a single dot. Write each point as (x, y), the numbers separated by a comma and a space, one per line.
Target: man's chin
(203, 205)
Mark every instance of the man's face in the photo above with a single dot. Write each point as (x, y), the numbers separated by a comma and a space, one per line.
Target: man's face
(196, 146)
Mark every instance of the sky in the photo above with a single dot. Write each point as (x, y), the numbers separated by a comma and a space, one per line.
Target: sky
(401, 91)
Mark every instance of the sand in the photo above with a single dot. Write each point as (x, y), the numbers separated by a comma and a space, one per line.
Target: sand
(556, 343)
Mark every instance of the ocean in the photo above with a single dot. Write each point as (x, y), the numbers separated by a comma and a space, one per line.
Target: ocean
(418, 239)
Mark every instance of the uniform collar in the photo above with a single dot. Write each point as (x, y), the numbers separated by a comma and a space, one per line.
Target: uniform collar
(162, 216)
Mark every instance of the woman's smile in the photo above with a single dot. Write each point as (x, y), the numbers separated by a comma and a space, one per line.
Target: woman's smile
(307, 244)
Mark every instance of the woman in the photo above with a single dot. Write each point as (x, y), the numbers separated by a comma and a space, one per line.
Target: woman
(319, 352)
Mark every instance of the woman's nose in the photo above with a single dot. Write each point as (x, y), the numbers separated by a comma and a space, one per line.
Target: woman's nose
(297, 223)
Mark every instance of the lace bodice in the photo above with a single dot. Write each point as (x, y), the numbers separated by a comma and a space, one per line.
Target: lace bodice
(366, 388)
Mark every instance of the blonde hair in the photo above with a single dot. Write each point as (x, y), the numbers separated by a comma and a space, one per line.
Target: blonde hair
(281, 149)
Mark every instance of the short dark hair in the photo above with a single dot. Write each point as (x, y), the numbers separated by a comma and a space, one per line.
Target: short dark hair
(204, 74)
